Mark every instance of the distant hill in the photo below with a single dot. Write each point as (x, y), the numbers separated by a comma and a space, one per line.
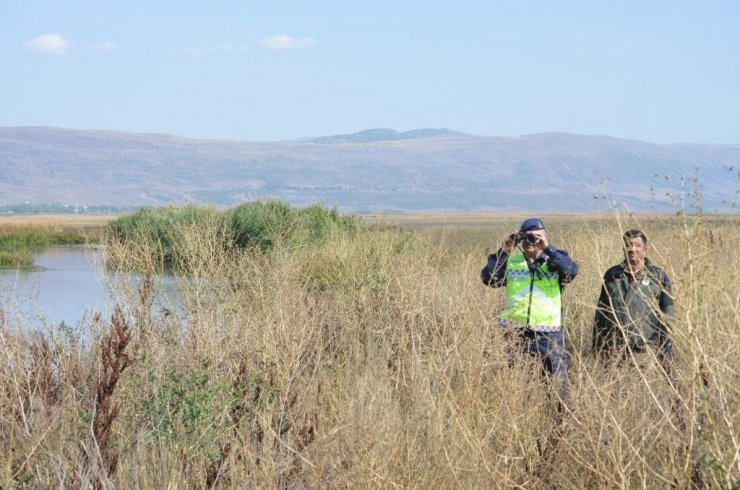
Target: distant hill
(379, 170)
(383, 134)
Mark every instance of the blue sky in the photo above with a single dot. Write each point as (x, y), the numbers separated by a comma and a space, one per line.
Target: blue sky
(659, 71)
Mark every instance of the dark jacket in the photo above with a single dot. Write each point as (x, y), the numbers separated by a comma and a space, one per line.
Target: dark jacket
(634, 311)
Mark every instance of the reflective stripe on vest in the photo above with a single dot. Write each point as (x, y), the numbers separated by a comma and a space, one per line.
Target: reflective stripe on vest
(533, 301)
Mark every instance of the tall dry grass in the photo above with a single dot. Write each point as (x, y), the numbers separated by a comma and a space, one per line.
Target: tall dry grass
(374, 360)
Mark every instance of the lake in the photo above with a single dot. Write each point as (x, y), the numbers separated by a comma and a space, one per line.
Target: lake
(67, 284)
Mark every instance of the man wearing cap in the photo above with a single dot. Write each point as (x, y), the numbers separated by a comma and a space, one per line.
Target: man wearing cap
(534, 272)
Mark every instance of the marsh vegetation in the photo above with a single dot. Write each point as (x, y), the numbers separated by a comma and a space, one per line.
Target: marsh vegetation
(315, 351)
(20, 236)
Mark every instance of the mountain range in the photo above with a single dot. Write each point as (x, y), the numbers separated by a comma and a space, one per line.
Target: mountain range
(378, 170)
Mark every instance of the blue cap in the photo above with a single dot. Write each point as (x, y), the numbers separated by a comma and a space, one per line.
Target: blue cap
(531, 224)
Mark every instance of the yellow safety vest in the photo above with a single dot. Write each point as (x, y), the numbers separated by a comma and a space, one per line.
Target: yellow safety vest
(533, 299)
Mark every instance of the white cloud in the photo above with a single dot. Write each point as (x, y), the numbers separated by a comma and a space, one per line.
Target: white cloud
(104, 46)
(51, 43)
(283, 41)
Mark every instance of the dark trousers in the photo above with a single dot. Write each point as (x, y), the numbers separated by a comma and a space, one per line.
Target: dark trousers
(550, 348)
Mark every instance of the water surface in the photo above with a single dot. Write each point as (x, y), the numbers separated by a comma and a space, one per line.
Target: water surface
(67, 284)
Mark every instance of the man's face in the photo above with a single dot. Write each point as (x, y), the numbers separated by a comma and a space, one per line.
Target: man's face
(529, 244)
(534, 243)
(635, 250)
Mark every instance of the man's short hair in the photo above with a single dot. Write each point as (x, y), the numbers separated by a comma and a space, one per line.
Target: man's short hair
(630, 234)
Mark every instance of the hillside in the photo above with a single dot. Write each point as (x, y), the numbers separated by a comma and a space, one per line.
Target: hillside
(378, 170)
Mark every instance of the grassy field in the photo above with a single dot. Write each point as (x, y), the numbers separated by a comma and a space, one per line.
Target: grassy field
(77, 223)
(373, 359)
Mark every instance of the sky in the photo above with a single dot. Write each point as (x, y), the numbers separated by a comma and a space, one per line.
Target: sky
(659, 71)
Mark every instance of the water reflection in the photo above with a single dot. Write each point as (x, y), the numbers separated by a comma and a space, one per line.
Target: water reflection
(68, 284)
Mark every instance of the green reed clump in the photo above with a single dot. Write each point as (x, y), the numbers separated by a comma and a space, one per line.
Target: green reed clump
(18, 243)
(19, 258)
(158, 229)
(263, 224)
(259, 224)
(32, 238)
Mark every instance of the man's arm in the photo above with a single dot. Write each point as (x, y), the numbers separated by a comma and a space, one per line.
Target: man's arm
(602, 325)
(494, 273)
(566, 267)
(665, 320)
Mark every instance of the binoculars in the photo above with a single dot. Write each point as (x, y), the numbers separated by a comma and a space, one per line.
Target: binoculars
(523, 237)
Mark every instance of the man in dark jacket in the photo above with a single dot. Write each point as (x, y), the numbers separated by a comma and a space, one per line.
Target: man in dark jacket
(635, 312)
(635, 306)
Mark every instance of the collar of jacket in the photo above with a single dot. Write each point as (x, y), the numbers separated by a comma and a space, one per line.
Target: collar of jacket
(649, 268)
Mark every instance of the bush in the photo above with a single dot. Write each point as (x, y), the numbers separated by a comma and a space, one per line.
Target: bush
(260, 223)
(263, 224)
(160, 235)
(159, 230)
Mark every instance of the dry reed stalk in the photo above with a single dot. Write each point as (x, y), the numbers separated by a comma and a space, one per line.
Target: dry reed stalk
(42, 369)
(114, 360)
(144, 306)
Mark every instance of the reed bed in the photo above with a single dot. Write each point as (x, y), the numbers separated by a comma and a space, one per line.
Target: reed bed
(18, 240)
(372, 359)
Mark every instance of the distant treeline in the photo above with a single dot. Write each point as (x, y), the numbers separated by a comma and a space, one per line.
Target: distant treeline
(258, 224)
(59, 208)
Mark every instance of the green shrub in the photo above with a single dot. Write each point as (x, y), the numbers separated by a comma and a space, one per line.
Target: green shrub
(187, 400)
(316, 223)
(264, 224)
(159, 230)
(260, 223)
(166, 235)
